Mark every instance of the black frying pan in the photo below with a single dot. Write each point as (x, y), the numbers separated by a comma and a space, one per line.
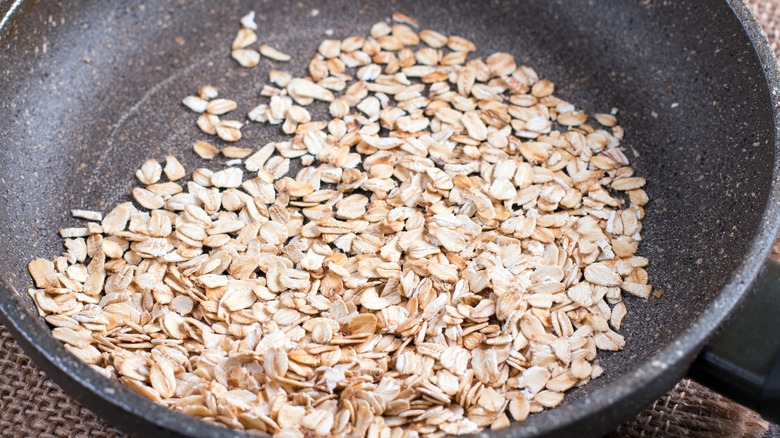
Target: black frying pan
(90, 89)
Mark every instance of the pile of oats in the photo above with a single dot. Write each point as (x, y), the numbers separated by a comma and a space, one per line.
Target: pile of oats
(453, 252)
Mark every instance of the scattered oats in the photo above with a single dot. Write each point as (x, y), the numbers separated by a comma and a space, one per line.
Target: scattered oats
(236, 152)
(195, 103)
(79, 338)
(162, 379)
(629, 183)
(330, 48)
(270, 52)
(258, 114)
(607, 120)
(474, 125)
(639, 290)
(301, 89)
(230, 177)
(405, 35)
(460, 44)
(370, 106)
(147, 199)
(220, 106)
(402, 18)
(257, 160)
(150, 172)
(543, 88)
(246, 58)
(618, 312)
(519, 407)
(501, 422)
(173, 169)
(502, 189)
(452, 252)
(433, 39)
(380, 29)
(208, 123)
(572, 118)
(74, 232)
(248, 21)
(207, 92)
(549, 399)
(244, 38)
(205, 150)
(43, 273)
(601, 274)
(87, 214)
(352, 43)
(182, 304)
(279, 78)
(229, 130)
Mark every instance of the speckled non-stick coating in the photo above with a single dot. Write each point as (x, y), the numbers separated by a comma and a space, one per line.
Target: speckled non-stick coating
(89, 90)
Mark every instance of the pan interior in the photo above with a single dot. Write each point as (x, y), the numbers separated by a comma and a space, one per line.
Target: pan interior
(92, 89)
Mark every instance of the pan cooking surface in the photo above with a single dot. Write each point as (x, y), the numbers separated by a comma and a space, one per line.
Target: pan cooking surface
(92, 89)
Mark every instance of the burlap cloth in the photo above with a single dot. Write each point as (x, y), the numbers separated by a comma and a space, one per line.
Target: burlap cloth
(34, 406)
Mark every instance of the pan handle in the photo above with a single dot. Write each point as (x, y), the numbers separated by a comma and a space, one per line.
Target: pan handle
(742, 361)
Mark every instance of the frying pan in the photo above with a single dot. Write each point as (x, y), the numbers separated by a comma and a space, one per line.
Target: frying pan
(90, 89)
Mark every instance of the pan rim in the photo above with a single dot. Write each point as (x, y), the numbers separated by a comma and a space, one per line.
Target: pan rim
(679, 351)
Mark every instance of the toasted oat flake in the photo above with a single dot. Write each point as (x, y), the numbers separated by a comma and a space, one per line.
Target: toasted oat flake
(150, 172)
(301, 90)
(87, 214)
(330, 48)
(229, 130)
(208, 92)
(433, 38)
(460, 44)
(380, 29)
(220, 106)
(195, 103)
(236, 152)
(246, 58)
(173, 169)
(244, 38)
(248, 21)
(403, 18)
(147, 198)
(607, 120)
(270, 52)
(207, 123)
(205, 150)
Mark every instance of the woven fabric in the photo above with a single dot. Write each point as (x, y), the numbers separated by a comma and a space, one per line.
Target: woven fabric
(34, 406)
(31, 405)
(694, 411)
(768, 14)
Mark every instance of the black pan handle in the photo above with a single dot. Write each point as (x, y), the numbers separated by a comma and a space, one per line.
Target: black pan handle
(742, 361)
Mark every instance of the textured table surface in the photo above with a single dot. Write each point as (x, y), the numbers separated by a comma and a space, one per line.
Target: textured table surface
(31, 405)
